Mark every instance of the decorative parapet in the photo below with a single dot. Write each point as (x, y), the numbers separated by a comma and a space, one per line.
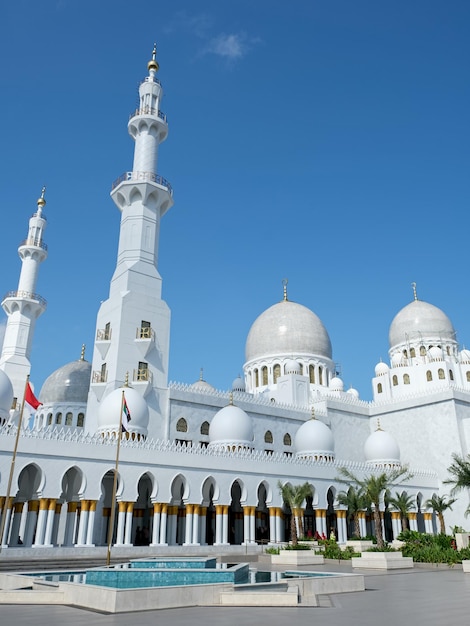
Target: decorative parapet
(60, 434)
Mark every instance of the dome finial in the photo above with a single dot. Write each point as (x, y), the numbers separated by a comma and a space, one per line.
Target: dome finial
(201, 374)
(378, 424)
(126, 380)
(41, 200)
(313, 413)
(415, 295)
(152, 65)
(284, 285)
(82, 353)
(231, 398)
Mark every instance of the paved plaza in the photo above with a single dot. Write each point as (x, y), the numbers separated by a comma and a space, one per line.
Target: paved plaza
(431, 596)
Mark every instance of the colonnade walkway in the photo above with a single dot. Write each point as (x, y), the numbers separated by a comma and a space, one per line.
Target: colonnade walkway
(427, 594)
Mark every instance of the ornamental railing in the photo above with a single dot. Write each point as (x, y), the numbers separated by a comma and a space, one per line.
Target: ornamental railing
(27, 295)
(143, 176)
(99, 376)
(34, 242)
(103, 334)
(148, 111)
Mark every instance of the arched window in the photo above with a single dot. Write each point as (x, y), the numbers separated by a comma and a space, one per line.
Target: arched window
(68, 419)
(468, 377)
(49, 415)
(205, 428)
(287, 440)
(182, 425)
(451, 375)
(412, 353)
(320, 376)
(268, 437)
(406, 379)
(256, 378)
(405, 354)
(448, 350)
(276, 372)
(58, 418)
(311, 374)
(395, 380)
(264, 375)
(80, 420)
(429, 375)
(422, 351)
(440, 373)
(379, 388)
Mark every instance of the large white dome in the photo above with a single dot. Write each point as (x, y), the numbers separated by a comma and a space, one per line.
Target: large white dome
(314, 439)
(110, 408)
(287, 328)
(420, 319)
(69, 383)
(231, 427)
(381, 449)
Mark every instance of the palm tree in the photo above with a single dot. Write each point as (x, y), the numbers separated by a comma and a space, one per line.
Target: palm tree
(356, 502)
(402, 503)
(294, 497)
(439, 504)
(373, 486)
(460, 471)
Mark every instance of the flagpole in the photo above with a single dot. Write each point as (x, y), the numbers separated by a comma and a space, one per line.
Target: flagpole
(12, 466)
(113, 497)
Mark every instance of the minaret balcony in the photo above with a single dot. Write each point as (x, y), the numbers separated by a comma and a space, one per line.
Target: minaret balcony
(36, 243)
(147, 177)
(149, 111)
(24, 296)
(103, 341)
(142, 380)
(98, 382)
(144, 339)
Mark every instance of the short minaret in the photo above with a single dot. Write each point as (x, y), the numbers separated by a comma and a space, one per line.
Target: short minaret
(133, 325)
(24, 306)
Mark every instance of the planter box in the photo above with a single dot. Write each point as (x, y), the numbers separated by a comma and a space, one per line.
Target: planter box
(382, 560)
(297, 557)
(466, 566)
(360, 545)
(462, 540)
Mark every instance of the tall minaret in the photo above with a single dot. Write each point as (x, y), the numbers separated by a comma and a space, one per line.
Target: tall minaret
(24, 306)
(133, 325)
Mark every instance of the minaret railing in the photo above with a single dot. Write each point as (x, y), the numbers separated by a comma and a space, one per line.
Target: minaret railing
(143, 176)
(27, 295)
(34, 242)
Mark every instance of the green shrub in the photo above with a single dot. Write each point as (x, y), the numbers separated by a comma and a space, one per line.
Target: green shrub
(299, 546)
(271, 550)
(384, 549)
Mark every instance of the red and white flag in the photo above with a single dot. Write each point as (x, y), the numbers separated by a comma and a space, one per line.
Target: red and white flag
(30, 399)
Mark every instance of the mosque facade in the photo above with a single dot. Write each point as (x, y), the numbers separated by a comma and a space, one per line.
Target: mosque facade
(198, 466)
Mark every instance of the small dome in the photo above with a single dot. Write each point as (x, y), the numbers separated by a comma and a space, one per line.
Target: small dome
(69, 383)
(6, 395)
(202, 385)
(336, 384)
(110, 407)
(353, 392)
(238, 384)
(287, 328)
(423, 320)
(381, 448)
(231, 426)
(292, 367)
(314, 439)
(464, 356)
(435, 353)
(381, 369)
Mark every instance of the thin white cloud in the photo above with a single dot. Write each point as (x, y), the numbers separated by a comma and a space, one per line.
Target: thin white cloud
(231, 47)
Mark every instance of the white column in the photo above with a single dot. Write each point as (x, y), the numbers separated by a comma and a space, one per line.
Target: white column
(218, 524)
(49, 524)
(196, 519)
(31, 520)
(396, 525)
(188, 535)
(91, 523)
(428, 523)
(272, 525)
(120, 524)
(202, 525)
(163, 525)
(173, 525)
(342, 526)
(279, 526)
(246, 524)
(363, 525)
(128, 524)
(225, 525)
(41, 525)
(6, 527)
(253, 525)
(82, 525)
(157, 510)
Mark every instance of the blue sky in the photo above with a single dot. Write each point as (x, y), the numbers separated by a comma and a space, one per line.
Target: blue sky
(326, 141)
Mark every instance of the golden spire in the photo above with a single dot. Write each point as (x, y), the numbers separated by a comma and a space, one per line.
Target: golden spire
(415, 295)
(153, 64)
(126, 381)
(41, 200)
(201, 374)
(231, 398)
(313, 413)
(82, 354)
(284, 285)
(378, 424)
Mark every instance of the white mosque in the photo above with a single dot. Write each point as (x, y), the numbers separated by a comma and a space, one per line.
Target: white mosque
(199, 466)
